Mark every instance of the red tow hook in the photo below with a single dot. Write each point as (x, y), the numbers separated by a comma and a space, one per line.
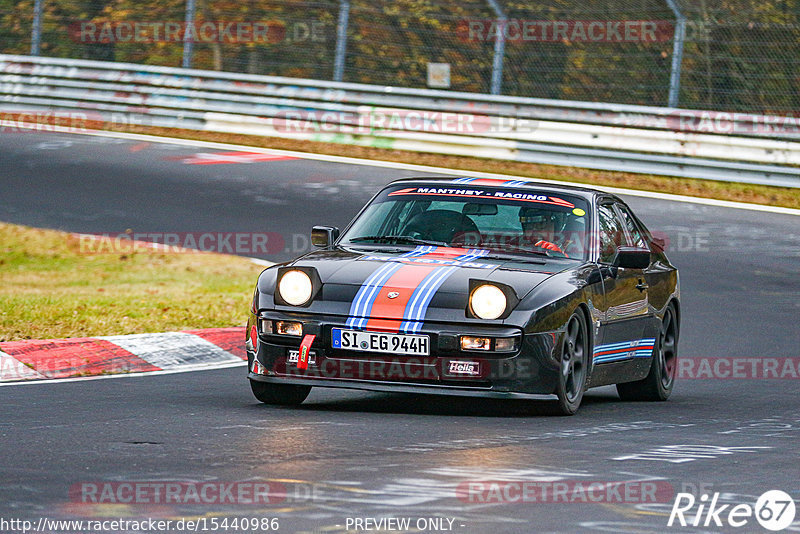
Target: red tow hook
(305, 346)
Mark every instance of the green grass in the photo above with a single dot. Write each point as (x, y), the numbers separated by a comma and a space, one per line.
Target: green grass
(51, 288)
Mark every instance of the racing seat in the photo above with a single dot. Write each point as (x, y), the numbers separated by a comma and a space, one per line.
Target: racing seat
(442, 225)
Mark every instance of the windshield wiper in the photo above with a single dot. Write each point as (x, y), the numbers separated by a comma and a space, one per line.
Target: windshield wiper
(518, 250)
(513, 257)
(398, 239)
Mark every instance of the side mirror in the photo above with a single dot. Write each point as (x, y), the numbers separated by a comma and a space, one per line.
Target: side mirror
(324, 236)
(632, 258)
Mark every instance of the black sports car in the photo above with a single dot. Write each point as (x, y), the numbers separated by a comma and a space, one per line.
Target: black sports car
(472, 286)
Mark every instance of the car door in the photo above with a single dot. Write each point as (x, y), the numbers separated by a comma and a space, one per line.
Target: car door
(654, 277)
(622, 343)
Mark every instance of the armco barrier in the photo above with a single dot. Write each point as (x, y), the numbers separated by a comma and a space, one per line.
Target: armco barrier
(672, 142)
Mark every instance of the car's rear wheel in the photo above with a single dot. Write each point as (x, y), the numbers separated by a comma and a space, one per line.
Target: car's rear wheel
(657, 385)
(573, 365)
(283, 394)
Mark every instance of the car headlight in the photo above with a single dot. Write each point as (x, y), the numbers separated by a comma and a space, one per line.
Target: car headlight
(295, 287)
(488, 302)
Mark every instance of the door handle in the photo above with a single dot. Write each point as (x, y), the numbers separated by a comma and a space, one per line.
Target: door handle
(641, 286)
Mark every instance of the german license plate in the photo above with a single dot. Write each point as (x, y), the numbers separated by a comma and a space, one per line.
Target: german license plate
(414, 345)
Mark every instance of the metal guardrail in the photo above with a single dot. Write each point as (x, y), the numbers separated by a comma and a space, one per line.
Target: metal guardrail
(642, 139)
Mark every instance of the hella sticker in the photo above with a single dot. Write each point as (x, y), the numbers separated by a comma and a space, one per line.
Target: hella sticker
(464, 368)
(294, 355)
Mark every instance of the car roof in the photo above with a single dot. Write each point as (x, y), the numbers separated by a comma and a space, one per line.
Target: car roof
(516, 183)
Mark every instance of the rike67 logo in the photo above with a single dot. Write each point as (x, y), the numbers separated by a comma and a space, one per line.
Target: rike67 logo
(774, 510)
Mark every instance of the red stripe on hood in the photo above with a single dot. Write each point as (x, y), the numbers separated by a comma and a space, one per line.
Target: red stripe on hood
(387, 314)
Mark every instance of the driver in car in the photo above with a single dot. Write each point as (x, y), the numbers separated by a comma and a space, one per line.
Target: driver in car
(539, 228)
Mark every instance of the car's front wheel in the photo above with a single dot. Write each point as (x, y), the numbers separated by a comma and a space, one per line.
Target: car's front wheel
(573, 365)
(283, 394)
(657, 385)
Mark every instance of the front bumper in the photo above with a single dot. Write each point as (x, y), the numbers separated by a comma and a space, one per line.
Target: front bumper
(529, 372)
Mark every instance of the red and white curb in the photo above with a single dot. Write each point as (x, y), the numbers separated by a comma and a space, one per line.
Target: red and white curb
(114, 355)
(217, 158)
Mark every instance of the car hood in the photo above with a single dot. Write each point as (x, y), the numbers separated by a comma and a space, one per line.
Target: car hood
(443, 273)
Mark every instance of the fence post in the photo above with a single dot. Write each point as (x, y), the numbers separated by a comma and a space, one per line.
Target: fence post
(499, 47)
(36, 31)
(341, 40)
(188, 43)
(677, 54)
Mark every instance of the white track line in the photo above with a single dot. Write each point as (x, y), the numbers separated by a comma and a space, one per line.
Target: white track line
(421, 168)
(187, 369)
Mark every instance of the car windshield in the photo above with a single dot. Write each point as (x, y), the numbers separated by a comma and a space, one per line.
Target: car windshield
(509, 220)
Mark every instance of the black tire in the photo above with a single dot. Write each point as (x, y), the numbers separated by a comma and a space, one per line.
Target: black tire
(573, 365)
(282, 394)
(658, 384)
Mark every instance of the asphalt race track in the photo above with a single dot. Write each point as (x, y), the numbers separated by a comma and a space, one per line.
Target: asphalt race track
(343, 456)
